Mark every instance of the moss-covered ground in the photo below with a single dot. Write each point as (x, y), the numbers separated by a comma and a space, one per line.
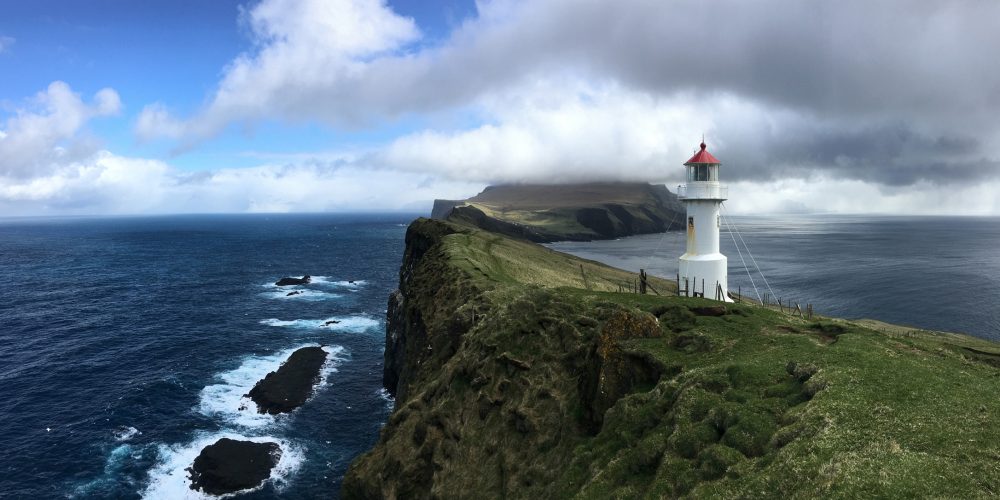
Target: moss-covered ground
(771, 405)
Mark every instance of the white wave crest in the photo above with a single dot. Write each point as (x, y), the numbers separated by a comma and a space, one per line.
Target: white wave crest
(125, 433)
(352, 285)
(301, 294)
(226, 400)
(169, 479)
(353, 324)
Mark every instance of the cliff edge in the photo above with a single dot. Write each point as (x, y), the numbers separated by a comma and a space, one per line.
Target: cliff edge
(522, 372)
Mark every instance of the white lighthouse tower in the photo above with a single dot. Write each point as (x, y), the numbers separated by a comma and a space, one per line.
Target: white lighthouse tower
(702, 268)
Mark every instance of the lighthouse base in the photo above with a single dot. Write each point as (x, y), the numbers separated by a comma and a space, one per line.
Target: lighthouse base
(704, 276)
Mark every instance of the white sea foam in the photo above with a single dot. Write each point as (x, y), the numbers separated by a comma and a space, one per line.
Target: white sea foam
(352, 324)
(125, 433)
(226, 400)
(390, 402)
(328, 282)
(169, 479)
(301, 294)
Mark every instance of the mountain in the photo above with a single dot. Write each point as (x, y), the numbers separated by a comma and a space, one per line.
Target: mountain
(523, 372)
(546, 213)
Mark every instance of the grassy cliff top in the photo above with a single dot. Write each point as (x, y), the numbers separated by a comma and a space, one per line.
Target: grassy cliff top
(562, 387)
(544, 196)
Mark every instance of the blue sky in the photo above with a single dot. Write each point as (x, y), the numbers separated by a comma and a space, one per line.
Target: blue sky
(315, 105)
(172, 51)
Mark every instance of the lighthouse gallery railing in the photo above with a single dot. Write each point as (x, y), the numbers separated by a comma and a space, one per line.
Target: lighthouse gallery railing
(703, 191)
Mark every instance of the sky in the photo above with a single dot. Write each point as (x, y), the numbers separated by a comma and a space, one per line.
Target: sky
(188, 106)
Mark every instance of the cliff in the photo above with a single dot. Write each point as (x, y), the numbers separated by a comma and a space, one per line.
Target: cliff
(545, 213)
(522, 372)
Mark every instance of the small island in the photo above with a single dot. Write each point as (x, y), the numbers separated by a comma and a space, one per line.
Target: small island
(229, 465)
(289, 387)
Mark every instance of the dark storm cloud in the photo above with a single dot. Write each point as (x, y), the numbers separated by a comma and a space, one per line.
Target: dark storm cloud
(893, 155)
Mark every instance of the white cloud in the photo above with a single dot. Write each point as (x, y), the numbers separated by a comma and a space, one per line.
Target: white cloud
(109, 184)
(44, 133)
(305, 50)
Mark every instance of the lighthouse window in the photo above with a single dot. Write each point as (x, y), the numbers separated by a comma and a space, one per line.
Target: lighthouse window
(701, 173)
(690, 222)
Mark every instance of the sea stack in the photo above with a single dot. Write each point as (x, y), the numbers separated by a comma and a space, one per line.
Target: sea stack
(286, 281)
(702, 270)
(229, 465)
(288, 387)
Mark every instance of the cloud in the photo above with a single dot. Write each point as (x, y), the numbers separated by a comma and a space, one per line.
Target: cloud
(892, 93)
(840, 196)
(304, 51)
(105, 183)
(45, 132)
(566, 130)
(5, 43)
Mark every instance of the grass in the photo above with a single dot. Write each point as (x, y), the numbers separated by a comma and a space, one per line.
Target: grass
(754, 403)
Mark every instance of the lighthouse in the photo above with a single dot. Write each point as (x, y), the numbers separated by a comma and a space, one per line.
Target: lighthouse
(702, 270)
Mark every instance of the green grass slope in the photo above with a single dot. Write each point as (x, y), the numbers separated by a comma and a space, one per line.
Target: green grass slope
(526, 378)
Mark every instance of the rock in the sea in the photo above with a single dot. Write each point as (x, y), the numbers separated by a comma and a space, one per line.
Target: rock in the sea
(288, 388)
(286, 281)
(296, 292)
(229, 465)
(331, 322)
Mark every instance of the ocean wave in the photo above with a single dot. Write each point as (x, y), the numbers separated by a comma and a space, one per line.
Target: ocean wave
(124, 433)
(302, 294)
(353, 324)
(328, 281)
(390, 402)
(114, 467)
(227, 400)
(169, 479)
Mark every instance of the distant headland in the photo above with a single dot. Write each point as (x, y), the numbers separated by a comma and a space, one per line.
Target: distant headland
(559, 212)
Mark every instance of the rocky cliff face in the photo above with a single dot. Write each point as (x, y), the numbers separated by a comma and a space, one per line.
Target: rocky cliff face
(494, 387)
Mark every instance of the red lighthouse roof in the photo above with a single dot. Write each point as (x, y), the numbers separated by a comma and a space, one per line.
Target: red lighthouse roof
(702, 156)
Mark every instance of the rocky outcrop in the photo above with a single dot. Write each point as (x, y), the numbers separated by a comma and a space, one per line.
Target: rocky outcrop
(286, 281)
(442, 208)
(291, 385)
(228, 466)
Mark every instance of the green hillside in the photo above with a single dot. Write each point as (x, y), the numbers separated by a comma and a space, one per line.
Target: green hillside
(545, 213)
(517, 375)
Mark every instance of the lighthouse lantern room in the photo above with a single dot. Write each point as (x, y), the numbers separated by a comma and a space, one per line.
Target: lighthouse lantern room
(702, 270)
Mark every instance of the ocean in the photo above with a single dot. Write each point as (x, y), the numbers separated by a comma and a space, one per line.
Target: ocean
(126, 343)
